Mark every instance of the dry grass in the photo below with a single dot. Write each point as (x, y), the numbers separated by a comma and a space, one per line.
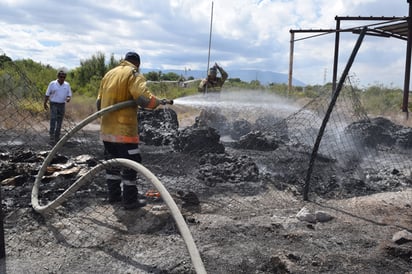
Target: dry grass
(80, 107)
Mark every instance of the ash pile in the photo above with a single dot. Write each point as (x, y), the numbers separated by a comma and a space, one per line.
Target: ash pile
(203, 139)
(157, 127)
(240, 151)
(220, 152)
(19, 167)
(204, 136)
(381, 133)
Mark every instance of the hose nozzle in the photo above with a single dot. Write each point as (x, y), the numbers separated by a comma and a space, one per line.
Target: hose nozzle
(166, 101)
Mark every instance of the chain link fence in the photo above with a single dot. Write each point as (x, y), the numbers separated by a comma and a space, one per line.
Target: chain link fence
(358, 156)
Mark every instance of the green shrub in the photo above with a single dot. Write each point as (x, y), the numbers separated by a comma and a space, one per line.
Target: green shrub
(380, 100)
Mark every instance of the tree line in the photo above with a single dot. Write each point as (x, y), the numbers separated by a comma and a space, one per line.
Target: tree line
(85, 81)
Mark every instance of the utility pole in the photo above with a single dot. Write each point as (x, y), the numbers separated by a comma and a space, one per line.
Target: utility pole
(292, 45)
(210, 42)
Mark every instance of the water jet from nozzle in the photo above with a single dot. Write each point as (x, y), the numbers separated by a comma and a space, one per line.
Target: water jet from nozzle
(252, 102)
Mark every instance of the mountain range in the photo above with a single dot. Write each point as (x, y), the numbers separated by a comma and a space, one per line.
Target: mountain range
(264, 77)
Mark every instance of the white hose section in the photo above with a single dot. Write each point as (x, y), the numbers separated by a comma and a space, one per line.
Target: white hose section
(167, 198)
(49, 158)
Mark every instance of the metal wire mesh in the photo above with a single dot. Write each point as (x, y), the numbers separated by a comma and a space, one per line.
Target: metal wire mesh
(87, 223)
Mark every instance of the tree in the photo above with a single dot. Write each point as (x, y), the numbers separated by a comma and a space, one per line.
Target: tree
(112, 63)
(4, 59)
(95, 66)
(152, 76)
(255, 84)
(170, 76)
(234, 80)
(36, 74)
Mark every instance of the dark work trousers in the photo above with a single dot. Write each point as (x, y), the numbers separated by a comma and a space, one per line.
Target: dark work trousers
(56, 119)
(117, 175)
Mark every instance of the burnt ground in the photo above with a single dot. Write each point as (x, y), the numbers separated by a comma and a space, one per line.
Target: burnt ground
(250, 216)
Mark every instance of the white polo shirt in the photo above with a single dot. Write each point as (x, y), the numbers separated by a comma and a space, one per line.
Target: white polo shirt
(58, 93)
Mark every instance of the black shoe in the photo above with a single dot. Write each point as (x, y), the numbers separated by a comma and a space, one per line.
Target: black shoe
(134, 205)
(114, 191)
(52, 142)
(114, 199)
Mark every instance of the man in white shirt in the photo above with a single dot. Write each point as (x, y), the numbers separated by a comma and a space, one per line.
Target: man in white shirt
(58, 94)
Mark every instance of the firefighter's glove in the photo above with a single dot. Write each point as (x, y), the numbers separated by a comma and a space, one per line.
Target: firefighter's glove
(98, 104)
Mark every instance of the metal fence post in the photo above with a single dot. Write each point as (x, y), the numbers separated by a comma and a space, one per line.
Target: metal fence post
(328, 112)
(2, 242)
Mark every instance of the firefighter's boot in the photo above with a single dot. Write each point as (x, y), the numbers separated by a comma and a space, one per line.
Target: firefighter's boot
(130, 197)
(114, 191)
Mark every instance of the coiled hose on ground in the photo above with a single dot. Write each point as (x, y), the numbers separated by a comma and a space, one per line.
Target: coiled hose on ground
(167, 198)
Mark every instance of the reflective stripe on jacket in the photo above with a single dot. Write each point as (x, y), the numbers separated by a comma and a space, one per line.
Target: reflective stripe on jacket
(123, 83)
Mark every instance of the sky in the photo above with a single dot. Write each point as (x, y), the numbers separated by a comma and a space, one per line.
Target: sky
(175, 34)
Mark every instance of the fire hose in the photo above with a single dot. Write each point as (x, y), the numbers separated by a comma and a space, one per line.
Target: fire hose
(167, 198)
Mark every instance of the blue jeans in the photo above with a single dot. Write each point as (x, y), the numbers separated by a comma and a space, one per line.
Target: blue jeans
(56, 119)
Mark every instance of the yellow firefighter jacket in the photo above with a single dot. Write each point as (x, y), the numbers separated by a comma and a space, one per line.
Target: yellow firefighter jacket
(123, 83)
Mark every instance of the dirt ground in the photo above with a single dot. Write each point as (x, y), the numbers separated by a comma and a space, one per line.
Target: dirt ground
(238, 227)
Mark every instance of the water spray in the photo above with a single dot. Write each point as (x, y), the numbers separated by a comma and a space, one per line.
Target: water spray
(240, 101)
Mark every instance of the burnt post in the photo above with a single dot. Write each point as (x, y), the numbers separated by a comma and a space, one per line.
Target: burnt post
(405, 101)
(336, 54)
(335, 96)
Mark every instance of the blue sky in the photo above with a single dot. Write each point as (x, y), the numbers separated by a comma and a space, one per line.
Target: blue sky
(174, 34)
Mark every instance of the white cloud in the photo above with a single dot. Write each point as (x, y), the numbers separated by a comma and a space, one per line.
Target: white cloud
(174, 34)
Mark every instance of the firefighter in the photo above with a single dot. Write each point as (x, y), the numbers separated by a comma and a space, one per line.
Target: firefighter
(213, 83)
(119, 129)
